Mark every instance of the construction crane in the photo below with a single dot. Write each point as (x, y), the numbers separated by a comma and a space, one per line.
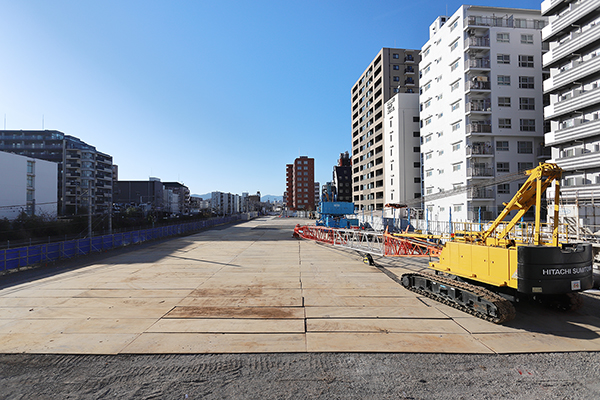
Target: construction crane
(482, 273)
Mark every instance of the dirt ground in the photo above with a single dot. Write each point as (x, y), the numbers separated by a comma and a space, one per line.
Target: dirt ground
(301, 376)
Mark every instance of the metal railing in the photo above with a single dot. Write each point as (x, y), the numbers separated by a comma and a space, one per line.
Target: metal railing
(49, 252)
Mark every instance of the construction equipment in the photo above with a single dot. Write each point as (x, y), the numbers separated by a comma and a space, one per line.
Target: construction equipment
(482, 272)
(333, 214)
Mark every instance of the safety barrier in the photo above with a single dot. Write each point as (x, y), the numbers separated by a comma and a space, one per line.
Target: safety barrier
(42, 253)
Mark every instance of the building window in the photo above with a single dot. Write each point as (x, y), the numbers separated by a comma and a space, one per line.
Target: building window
(454, 45)
(454, 65)
(455, 106)
(456, 146)
(396, 79)
(395, 55)
(416, 149)
(503, 101)
(503, 58)
(504, 188)
(503, 37)
(504, 123)
(502, 167)
(428, 138)
(526, 103)
(396, 67)
(528, 125)
(456, 126)
(525, 61)
(457, 207)
(30, 194)
(503, 80)
(525, 166)
(429, 173)
(526, 39)
(456, 167)
(454, 86)
(526, 82)
(428, 156)
(31, 167)
(525, 147)
(501, 145)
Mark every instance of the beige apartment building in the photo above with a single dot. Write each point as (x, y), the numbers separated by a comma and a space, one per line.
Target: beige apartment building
(391, 71)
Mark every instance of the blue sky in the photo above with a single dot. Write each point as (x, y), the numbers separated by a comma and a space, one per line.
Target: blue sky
(219, 95)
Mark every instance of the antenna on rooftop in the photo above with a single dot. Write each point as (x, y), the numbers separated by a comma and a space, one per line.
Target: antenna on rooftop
(42, 121)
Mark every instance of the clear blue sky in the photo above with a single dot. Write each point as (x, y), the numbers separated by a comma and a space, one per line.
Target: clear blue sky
(219, 95)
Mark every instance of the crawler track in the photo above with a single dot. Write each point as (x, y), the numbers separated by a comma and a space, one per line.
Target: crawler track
(472, 299)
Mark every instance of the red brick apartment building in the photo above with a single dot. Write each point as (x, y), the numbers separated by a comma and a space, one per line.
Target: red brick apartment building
(300, 181)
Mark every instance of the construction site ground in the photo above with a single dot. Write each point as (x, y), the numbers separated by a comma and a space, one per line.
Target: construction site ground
(184, 311)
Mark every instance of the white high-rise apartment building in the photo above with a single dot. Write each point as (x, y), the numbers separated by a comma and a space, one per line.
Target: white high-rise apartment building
(481, 108)
(402, 163)
(573, 35)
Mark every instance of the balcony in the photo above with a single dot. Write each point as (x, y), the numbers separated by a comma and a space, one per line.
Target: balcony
(475, 41)
(576, 100)
(579, 130)
(504, 22)
(480, 150)
(409, 81)
(409, 70)
(576, 12)
(573, 72)
(480, 193)
(477, 63)
(476, 127)
(480, 171)
(573, 44)
(549, 6)
(477, 86)
(479, 106)
(580, 159)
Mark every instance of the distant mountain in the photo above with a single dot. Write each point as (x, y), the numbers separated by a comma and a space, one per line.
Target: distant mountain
(271, 198)
(206, 196)
(265, 198)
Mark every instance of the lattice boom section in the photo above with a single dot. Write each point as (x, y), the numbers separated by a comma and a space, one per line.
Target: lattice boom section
(382, 244)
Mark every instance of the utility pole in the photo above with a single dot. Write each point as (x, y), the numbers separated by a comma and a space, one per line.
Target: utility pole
(90, 212)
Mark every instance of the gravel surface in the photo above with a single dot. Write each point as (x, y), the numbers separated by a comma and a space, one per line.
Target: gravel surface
(301, 376)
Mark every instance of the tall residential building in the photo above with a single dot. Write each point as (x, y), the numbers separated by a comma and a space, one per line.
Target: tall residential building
(573, 35)
(342, 178)
(481, 108)
(27, 184)
(300, 184)
(225, 203)
(183, 196)
(402, 149)
(82, 170)
(392, 71)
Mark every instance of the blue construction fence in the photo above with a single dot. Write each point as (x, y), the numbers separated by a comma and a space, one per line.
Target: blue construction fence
(42, 253)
